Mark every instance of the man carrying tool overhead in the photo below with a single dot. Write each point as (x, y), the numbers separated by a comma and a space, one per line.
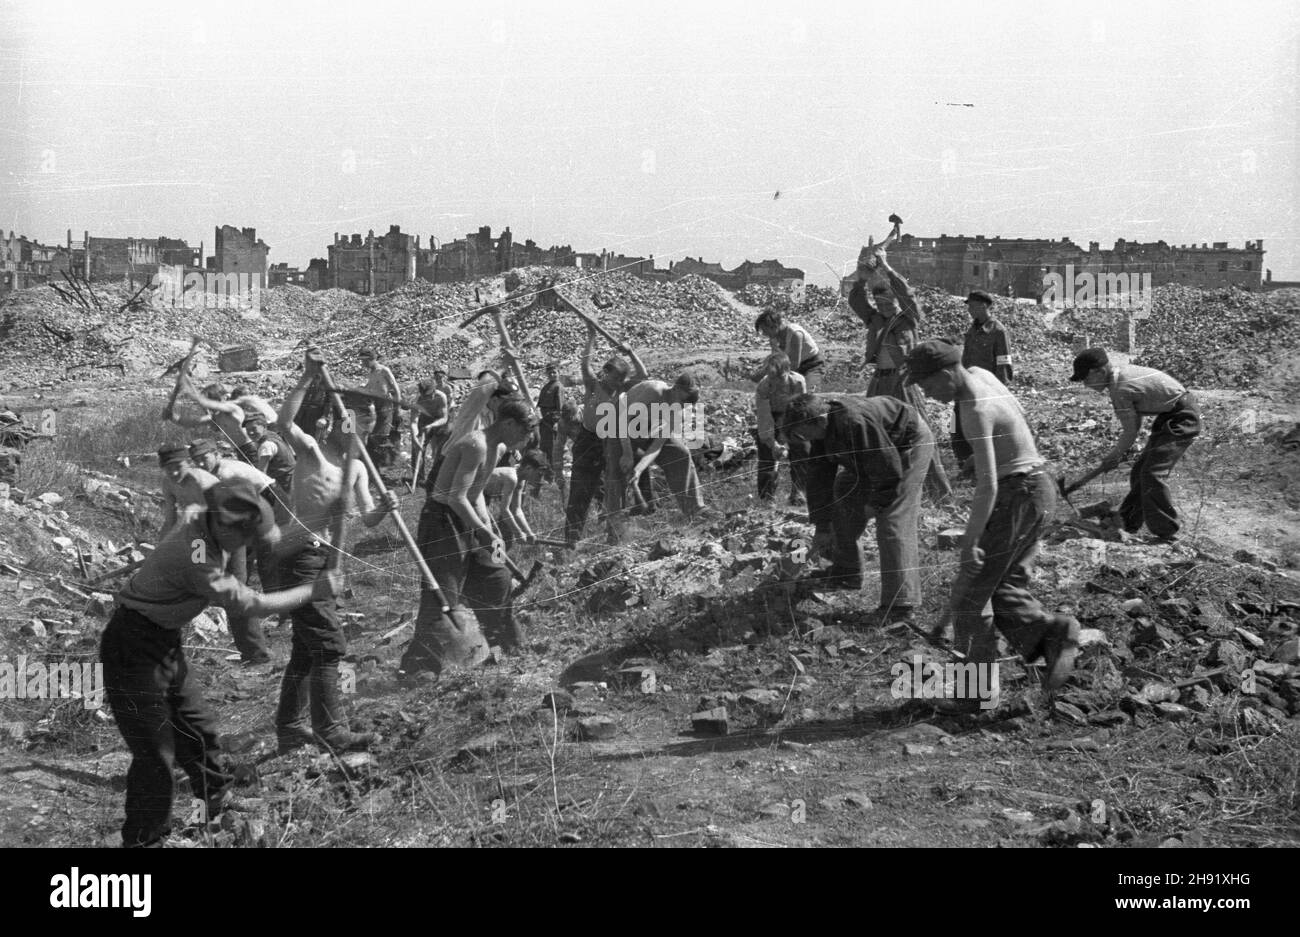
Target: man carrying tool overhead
(589, 452)
(1137, 392)
(222, 414)
(892, 317)
(1014, 498)
(457, 538)
(329, 485)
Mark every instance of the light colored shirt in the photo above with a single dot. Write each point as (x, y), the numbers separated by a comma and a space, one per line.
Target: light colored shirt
(1143, 391)
(770, 400)
(182, 577)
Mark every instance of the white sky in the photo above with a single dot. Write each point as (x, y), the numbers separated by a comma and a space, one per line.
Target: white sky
(664, 128)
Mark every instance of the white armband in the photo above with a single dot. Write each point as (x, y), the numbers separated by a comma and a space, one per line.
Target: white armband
(1004, 359)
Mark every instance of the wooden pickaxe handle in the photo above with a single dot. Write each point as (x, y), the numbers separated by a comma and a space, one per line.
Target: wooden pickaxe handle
(1069, 489)
(412, 548)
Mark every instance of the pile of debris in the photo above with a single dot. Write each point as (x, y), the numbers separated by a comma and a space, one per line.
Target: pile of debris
(814, 298)
(1222, 338)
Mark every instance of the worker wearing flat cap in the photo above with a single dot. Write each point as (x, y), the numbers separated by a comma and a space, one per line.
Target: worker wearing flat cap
(1137, 392)
(987, 345)
(156, 698)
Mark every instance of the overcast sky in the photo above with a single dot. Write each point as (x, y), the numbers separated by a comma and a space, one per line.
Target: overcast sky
(733, 131)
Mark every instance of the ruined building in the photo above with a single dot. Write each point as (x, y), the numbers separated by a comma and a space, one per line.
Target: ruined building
(24, 262)
(766, 273)
(1018, 266)
(240, 251)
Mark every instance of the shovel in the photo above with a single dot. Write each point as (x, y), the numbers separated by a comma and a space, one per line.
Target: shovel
(443, 635)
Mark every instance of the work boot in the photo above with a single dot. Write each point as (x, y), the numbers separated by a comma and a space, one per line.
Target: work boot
(328, 713)
(885, 617)
(832, 579)
(1060, 648)
(292, 729)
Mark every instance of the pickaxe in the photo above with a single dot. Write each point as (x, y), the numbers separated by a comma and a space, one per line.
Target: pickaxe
(507, 345)
(430, 584)
(1065, 490)
(180, 369)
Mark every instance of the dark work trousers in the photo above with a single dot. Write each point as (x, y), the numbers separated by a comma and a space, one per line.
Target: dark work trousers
(266, 561)
(585, 482)
(546, 430)
(378, 443)
(900, 556)
(447, 547)
(1010, 544)
(246, 630)
(892, 383)
(678, 468)
(767, 462)
(160, 712)
(311, 678)
(813, 370)
(1148, 499)
(961, 449)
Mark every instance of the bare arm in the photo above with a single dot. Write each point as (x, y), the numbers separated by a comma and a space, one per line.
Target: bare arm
(585, 360)
(977, 425)
(288, 429)
(516, 511)
(463, 467)
(651, 454)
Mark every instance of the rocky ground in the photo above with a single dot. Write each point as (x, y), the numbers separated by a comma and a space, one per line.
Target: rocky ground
(670, 694)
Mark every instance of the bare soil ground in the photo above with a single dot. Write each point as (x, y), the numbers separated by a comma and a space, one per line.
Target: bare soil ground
(818, 751)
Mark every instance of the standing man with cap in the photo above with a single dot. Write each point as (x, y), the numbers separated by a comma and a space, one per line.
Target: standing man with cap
(867, 459)
(155, 697)
(247, 632)
(183, 486)
(1137, 392)
(549, 402)
(1014, 498)
(986, 345)
(329, 486)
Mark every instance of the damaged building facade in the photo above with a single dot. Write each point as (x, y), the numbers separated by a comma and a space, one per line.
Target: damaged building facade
(240, 251)
(1020, 266)
(771, 273)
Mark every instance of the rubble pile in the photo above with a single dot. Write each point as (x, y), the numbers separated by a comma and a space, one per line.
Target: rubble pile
(1222, 338)
(1182, 641)
(766, 297)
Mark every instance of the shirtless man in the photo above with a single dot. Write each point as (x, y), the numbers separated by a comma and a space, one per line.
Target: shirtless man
(329, 484)
(1014, 497)
(505, 487)
(222, 414)
(380, 382)
(430, 427)
(590, 453)
(458, 542)
(656, 424)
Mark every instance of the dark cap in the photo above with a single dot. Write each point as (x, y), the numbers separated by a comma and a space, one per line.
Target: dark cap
(1088, 360)
(254, 418)
(366, 352)
(979, 296)
(169, 454)
(239, 497)
(930, 358)
(202, 447)
(425, 385)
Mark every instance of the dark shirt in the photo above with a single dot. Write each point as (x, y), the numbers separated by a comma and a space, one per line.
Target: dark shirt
(988, 346)
(549, 400)
(866, 438)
